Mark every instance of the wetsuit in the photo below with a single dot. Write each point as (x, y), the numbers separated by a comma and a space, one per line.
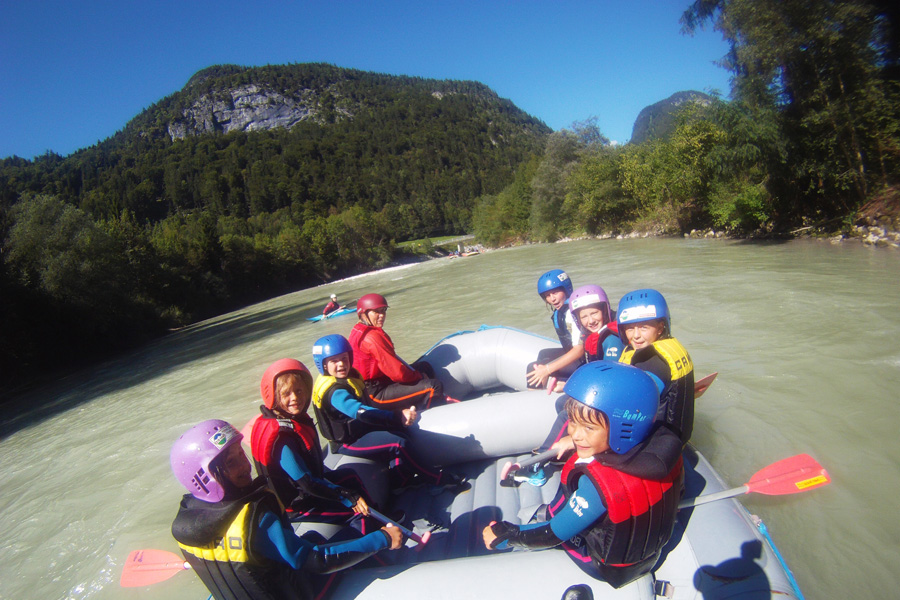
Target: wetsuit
(569, 334)
(288, 454)
(614, 513)
(244, 549)
(390, 382)
(357, 429)
(670, 365)
(604, 345)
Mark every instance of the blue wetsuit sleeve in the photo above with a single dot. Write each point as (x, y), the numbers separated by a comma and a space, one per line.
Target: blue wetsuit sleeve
(296, 468)
(612, 348)
(572, 520)
(350, 405)
(278, 542)
(581, 511)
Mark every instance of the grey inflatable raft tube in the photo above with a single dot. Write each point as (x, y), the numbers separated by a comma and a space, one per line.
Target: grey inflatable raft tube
(715, 552)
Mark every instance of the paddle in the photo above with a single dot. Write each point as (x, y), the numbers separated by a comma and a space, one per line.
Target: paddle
(247, 430)
(792, 475)
(421, 540)
(703, 384)
(146, 567)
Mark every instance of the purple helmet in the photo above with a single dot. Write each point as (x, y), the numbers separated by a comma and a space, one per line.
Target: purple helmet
(589, 295)
(193, 453)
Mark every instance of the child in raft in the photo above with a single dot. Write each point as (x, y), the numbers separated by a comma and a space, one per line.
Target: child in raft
(356, 428)
(645, 325)
(389, 381)
(620, 489)
(263, 558)
(555, 287)
(288, 454)
(590, 306)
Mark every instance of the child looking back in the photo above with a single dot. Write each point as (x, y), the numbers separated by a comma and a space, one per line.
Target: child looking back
(621, 486)
(356, 428)
(555, 287)
(287, 452)
(263, 558)
(590, 306)
(390, 382)
(645, 324)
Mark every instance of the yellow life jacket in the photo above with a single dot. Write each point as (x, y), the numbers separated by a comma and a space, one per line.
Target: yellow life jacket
(676, 402)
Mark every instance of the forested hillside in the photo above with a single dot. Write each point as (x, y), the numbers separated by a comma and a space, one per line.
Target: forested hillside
(247, 183)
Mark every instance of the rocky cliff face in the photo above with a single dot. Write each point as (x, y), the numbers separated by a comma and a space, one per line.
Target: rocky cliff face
(658, 120)
(246, 108)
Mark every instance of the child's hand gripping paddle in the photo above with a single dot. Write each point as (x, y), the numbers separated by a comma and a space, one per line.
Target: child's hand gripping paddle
(792, 475)
(146, 567)
(420, 540)
(509, 468)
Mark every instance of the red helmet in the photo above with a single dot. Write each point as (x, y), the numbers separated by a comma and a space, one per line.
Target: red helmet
(370, 302)
(285, 365)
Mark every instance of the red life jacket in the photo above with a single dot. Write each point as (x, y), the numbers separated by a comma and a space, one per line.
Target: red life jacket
(640, 516)
(300, 434)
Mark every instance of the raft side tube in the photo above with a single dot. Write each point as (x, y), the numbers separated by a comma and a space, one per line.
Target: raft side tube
(491, 358)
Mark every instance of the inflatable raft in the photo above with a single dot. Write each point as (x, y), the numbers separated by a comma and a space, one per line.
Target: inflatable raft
(716, 551)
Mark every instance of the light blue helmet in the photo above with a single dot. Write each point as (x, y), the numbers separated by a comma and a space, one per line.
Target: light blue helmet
(328, 346)
(554, 279)
(625, 394)
(643, 305)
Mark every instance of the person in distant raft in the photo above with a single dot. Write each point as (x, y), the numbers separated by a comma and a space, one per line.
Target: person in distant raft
(288, 454)
(232, 530)
(347, 418)
(620, 489)
(390, 382)
(555, 287)
(646, 327)
(332, 305)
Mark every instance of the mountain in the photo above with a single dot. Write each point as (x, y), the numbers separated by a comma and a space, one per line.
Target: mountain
(243, 141)
(657, 121)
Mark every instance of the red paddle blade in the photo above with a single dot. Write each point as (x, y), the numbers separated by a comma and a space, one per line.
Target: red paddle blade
(701, 385)
(789, 476)
(247, 430)
(146, 567)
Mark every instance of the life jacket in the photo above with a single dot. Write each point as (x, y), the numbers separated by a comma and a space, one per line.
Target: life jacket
(363, 362)
(216, 539)
(299, 433)
(597, 348)
(676, 402)
(335, 425)
(625, 543)
(558, 318)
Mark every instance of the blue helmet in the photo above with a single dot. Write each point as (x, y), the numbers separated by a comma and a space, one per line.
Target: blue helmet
(625, 394)
(554, 279)
(643, 305)
(328, 346)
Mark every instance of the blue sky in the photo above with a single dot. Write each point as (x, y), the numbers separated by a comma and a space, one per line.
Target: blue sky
(73, 72)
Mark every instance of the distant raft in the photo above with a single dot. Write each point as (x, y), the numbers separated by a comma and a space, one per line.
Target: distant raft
(717, 549)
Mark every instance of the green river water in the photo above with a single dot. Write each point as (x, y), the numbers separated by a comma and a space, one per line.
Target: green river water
(804, 336)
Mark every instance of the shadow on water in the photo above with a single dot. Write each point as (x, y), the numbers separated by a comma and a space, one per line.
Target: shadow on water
(155, 359)
(159, 357)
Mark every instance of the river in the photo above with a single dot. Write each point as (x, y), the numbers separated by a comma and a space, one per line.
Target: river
(804, 336)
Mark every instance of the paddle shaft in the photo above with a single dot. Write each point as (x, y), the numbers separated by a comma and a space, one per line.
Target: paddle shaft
(724, 494)
(407, 532)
